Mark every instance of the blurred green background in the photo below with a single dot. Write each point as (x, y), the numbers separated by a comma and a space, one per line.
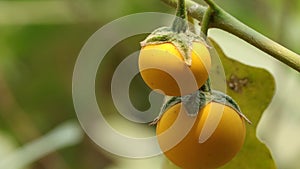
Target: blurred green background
(40, 41)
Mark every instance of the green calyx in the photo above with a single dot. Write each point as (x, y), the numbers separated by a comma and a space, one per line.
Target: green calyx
(183, 41)
(222, 98)
(179, 25)
(196, 101)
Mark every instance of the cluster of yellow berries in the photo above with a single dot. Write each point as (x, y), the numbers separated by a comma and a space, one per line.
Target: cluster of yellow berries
(178, 64)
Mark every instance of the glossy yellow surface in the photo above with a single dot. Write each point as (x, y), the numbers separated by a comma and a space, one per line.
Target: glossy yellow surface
(163, 68)
(222, 132)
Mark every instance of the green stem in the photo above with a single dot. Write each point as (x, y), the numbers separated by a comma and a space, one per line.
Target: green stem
(211, 4)
(206, 87)
(181, 11)
(180, 23)
(204, 29)
(222, 20)
(258, 40)
(206, 20)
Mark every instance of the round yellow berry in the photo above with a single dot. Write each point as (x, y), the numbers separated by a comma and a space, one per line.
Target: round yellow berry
(163, 68)
(207, 141)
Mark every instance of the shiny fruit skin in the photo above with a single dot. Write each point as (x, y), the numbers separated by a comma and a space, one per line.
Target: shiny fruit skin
(161, 64)
(223, 144)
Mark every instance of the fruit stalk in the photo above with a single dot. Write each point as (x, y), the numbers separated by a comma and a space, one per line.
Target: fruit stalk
(180, 22)
(223, 20)
(204, 29)
(206, 20)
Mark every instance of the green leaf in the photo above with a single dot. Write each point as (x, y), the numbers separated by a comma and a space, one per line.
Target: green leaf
(253, 89)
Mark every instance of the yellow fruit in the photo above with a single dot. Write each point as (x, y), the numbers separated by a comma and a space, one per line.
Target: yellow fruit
(162, 67)
(216, 135)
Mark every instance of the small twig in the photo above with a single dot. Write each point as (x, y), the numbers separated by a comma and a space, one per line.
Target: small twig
(206, 20)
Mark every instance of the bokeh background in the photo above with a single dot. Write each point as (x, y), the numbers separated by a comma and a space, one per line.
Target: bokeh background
(40, 41)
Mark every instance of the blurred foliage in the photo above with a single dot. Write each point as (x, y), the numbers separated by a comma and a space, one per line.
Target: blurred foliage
(40, 88)
(38, 50)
